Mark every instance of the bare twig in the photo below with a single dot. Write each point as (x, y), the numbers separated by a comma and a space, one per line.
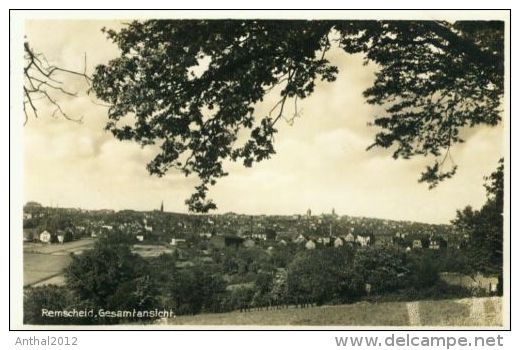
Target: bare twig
(40, 78)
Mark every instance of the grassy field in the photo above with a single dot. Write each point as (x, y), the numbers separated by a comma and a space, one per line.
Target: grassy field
(472, 312)
(40, 267)
(44, 263)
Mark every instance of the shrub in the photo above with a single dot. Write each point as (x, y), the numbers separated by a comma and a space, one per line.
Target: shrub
(51, 298)
(424, 270)
(383, 268)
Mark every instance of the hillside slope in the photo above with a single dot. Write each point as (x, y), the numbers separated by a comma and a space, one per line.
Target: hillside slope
(469, 312)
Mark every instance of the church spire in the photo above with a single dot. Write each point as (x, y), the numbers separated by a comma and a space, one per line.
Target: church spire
(162, 206)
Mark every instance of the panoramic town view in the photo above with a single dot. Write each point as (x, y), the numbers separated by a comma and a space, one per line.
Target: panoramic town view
(249, 172)
(273, 269)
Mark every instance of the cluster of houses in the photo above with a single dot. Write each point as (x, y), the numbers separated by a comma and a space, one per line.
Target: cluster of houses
(420, 242)
(250, 240)
(339, 241)
(178, 230)
(49, 236)
(145, 229)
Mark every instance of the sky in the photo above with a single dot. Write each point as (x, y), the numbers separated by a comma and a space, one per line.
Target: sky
(321, 161)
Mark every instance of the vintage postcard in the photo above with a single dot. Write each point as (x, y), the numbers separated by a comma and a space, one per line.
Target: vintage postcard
(260, 169)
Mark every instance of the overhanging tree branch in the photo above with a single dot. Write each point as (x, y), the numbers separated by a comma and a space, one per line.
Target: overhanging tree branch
(423, 67)
(40, 78)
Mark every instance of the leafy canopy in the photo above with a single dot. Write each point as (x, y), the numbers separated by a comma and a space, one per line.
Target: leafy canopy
(190, 86)
(485, 227)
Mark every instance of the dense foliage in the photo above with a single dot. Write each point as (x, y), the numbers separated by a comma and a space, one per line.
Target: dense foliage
(111, 277)
(51, 298)
(485, 227)
(191, 86)
(326, 275)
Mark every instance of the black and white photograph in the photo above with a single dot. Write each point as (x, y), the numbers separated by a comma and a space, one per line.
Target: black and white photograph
(266, 170)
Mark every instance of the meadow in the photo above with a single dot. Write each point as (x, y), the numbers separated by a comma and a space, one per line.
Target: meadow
(44, 263)
(467, 312)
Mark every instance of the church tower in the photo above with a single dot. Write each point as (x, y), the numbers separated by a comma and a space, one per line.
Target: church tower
(162, 207)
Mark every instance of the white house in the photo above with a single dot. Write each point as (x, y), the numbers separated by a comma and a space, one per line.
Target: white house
(45, 237)
(363, 240)
(300, 239)
(338, 242)
(310, 245)
(260, 236)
